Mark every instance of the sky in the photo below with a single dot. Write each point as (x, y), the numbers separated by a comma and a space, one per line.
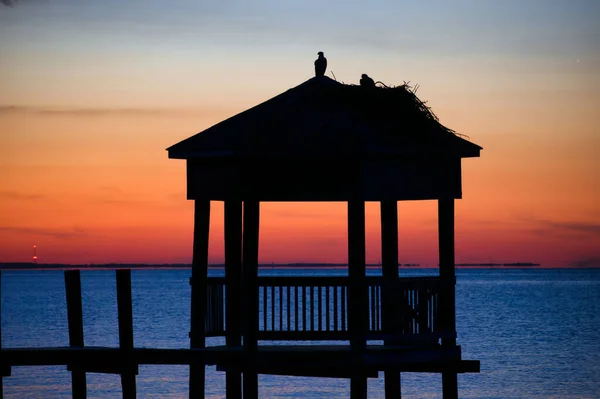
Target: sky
(92, 93)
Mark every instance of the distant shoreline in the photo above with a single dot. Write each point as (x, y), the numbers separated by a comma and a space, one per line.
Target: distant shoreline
(175, 266)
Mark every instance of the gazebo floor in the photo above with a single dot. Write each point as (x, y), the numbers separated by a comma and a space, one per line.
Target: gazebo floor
(296, 360)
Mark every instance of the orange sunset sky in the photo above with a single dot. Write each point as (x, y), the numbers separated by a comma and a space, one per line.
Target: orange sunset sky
(92, 93)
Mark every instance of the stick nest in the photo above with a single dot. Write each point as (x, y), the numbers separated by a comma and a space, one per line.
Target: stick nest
(390, 105)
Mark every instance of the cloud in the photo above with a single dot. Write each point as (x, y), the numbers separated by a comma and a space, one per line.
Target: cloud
(62, 234)
(587, 262)
(571, 227)
(549, 227)
(13, 195)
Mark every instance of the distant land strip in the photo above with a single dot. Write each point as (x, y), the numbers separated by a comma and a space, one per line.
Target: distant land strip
(37, 266)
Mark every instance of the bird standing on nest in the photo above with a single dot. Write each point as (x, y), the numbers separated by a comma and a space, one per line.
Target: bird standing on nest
(366, 81)
(320, 64)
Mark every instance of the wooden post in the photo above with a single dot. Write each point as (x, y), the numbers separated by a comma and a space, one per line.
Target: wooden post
(125, 312)
(3, 370)
(75, 322)
(358, 299)
(233, 300)
(250, 274)
(447, 289)
(198, 295)
(358, 386)
(389, 266)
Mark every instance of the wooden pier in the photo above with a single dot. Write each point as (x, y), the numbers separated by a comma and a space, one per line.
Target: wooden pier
(320, 141)
(289, 308)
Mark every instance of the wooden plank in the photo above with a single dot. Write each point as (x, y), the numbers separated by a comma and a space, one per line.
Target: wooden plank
(74, 307)
(358, 386)
(343, 300)
(327, 317)
(335, 308)
(272, 308)
(125, 312)
(288, 308)
(323, 281)
(358, 299)
(75, 323)
(389, 263)
(251, 217)
(303, 335)
(449, 385)
(296, 303)
(198, 294)
(263, 291)
(393, 384)
(4, 370)
(432, 359)
(311, 295)
(319, 310)
(447, 272)
(281, 308)
(328, 178)
(304, 309)
(447, 289)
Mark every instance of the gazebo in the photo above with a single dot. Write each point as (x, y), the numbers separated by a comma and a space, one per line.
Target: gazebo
(325, 141)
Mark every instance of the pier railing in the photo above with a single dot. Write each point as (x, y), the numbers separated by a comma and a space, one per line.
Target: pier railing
(316, 308)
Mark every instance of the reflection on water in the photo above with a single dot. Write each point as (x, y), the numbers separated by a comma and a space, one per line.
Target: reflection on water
(534, 330)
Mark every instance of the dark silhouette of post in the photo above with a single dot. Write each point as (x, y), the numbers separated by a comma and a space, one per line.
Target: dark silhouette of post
(389, 270)
(5, 370)
(75, 322)
(198, 305)
(448, 282)
(251, 219)
(125, 312)
(233, 282)
(358, 315)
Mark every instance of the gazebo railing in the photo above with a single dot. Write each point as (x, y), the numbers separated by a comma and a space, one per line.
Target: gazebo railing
(316, 308)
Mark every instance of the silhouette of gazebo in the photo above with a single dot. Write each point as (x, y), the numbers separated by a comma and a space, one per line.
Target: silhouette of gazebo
(325, 141)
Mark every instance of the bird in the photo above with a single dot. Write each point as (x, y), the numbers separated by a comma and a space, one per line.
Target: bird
(320, 64)
(366, 81)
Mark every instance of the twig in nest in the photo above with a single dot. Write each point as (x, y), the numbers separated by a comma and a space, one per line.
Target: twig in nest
(382, 84)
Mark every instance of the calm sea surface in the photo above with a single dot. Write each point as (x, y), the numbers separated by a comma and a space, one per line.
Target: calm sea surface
(536, 332)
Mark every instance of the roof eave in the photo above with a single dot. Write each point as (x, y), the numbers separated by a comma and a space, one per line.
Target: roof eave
(200, 154)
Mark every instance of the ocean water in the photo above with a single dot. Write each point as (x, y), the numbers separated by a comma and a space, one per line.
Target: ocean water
(535, 331)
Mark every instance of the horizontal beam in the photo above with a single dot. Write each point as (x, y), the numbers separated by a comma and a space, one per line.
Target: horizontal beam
(375, 357)
(306, 371)
(328, 281)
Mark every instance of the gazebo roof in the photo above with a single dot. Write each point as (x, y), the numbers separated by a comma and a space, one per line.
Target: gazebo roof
(326, 119)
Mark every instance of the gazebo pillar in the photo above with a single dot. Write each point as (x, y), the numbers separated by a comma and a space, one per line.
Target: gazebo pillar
(198, 295)
(233, 289)
(358, 299)
(389, 269)
(447, 292)
(251, 219)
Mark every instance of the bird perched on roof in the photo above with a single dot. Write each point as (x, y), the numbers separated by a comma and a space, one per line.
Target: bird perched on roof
(320, 64)
(366, 81)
